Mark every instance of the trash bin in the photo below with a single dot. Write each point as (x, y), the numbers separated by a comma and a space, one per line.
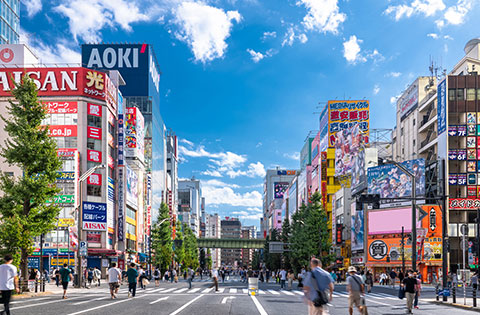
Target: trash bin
(252, 286)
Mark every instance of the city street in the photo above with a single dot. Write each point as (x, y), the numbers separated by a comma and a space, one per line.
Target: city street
(232, 299)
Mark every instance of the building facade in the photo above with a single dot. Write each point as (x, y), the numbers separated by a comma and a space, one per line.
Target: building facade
(231, 228)
(9, 23)
(190, 203)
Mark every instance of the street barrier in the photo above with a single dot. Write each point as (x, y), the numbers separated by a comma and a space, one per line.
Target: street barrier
(252, 286)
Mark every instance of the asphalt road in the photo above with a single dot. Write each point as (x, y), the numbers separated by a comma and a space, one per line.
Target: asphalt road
(173, 299)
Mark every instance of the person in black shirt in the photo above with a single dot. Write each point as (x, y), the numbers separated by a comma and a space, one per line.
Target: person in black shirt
(409, 284)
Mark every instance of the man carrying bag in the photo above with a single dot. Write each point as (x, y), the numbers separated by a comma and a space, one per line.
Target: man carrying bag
(315, 286)
(356, 291)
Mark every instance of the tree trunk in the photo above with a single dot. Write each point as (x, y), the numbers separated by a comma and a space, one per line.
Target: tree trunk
(24, 270)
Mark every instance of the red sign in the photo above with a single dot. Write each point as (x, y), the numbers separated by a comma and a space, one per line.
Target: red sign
(73, 81)
(462, 203)
(94, 109)
(149, 219)
(94, 237)
(95, 226)
(94, 179)
(66, 153)
(62, 131)
(111, 162)
(94, 156)
(94, 133)
(6, 55)
(339, 234)
(61, 107)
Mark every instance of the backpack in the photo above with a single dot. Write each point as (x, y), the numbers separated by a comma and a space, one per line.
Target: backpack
(156, 273)
(90, 274)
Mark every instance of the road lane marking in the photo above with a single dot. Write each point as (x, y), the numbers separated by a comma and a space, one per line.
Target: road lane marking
(186, 305)
(160, 299)
(221, 290)
(378, 303)
(49, 302)
(207, 290)
(194, 290)
(28, 300)
(157, 290)
(245, 291)
(225, 299)
(233, 290)
(87, 301)
(298, 292)
(274, 292)
(168, 290)
(261, 292)
(180, 290)
(101, 306)
(287, 293)
(258, 305)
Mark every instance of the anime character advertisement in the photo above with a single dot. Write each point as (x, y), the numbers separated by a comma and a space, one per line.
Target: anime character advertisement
(348, 143)
(389, 181)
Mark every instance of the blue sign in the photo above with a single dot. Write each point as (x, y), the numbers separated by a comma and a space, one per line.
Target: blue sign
(442, 107)
(34, 262)
(94, 212)
(314, 152)
(121, 135)
(111, 189)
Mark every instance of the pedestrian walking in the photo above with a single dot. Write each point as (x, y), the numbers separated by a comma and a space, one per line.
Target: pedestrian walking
(290, 278)
(369, 281)
(66, 277)
(90, 276)
(409, 285)
(132, 278)
(283, 278)
(98, 275)
(57, 277)
(417, 291)
(474, 281)
(114, 277)
(356, 289)
(8, 282)
(175, 276)
(156, 276)
(165, 276)
(267, 275)
(215, 279)
(400, 277)
(317, 282)
(190, 275)
(393, 276)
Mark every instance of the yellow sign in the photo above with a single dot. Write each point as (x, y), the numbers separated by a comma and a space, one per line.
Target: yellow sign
(345, 114)
(61, 261)
(66, 222)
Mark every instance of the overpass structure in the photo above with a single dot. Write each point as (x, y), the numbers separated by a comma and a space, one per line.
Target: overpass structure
(231, 243)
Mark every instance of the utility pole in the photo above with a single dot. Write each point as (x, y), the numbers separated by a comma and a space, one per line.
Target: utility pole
(414, 222)
(403, 250)
(445, 241)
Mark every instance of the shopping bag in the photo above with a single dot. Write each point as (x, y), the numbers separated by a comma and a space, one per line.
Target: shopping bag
(364, 305)
(401, 293)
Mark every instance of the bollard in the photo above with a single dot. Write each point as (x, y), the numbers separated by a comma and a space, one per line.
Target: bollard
(436, 293)
(475, 296)
(43, 286)
(454, 289)
(36, 286)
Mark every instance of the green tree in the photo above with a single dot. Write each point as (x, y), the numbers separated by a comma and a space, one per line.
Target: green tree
(162, 244)
(272, 261)
(256, 260)
(191, 249)
(285, 238)
(310, 235)
(179, 245)
(23, 207)
(209, 259)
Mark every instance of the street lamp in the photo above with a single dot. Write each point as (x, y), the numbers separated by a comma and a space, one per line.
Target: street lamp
(414, 209)
(79, 220)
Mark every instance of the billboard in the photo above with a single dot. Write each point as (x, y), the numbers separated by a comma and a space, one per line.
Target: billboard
(388, 181)
(345, 114)
(94, 215)
(62, 130)
(348, 145)
(57, 81)
(121, 202)
(358, 228)
(442, 107)
(279, 189)
(134, 134)
(132, 187)
(61, 107)
(408, 101)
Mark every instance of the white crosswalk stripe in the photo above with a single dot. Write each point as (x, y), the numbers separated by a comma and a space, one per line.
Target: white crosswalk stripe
(180, 290)
(245, 291)
(298, 292)
(207, 290)
(220, 290)
(274, 292)
(233, 291)
(261, 292)
(194, 290)
(287, 292)
(168, 290)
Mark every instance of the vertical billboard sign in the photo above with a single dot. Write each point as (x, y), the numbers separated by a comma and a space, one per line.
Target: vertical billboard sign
(94, 216)
(121, 201)
(442, 107)
(345, 114)
(111, 203)
(323, 178)
(358, 228)
(408, 101)
(279, 189)
(132, 187)
(348, 143)
(120, 140)
(134, 134)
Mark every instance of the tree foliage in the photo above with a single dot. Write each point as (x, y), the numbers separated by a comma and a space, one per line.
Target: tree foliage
(285, 238)
(23, 206)
(162, 243)
(272, 261)
(209, 259)
(310, 235)
(179, 244)
(191, 249)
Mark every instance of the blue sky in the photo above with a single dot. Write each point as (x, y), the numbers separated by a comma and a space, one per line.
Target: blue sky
(242, 79)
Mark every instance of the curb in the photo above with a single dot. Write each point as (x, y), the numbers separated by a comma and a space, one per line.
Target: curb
(456, 305)
(30, 295)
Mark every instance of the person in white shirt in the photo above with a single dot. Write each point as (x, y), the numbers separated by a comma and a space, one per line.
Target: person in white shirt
(283, 278)
(215, 279)
(8, 282)
(114, 276)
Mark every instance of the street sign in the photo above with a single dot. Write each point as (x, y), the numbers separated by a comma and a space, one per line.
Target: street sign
(464, 229)
(83, 248)
(276, 247)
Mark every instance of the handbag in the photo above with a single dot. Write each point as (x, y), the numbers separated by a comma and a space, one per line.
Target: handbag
(401, 293)
(322, 297)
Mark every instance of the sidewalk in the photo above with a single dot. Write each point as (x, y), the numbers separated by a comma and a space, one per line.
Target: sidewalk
(460, 303)
(51, 289)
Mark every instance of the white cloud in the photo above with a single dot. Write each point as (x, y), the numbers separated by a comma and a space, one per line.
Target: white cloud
(425, 7)
(189, 143)
(433, 35)
(227, 196)
(257, 56)
(218, 183)
(254, 209)
(57, 53)
(351, 50)
(213, 173)
(88, 17)
(448, 37)
(455, 15)
(376, 89)
(267, 35)
(294, 156)
(322, 15)
(393, 74)
(244, 215)
(259, 145)
(33, 6)
(204, 29)
(290, 37)
(254, 170)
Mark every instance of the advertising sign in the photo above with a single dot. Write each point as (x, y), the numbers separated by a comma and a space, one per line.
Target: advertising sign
(346, 114)
(15, 55)
(111, 203)
(359, 175)
(94, 237)
(65, 176)
(132, 187)
(121, 202)
(358, 228)
(339, 231)
(57, 81)
(62, 131)
(286, 172)
(66, 154)
(73, 236)
(94, 133)
(94, 109)
(408, 101)
(94, 179)
(61, 107)
(348, 144)
(464, 204)
(64, 222)
(134, 134)
(279, 189)
(94, 216)
(62, 200)
(388, 181)
(120, 139)
(94, 156)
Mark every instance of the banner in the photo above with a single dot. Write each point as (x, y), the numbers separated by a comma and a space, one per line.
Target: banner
(346, 114)
(72, 231)
(61, 107)
(94, 216)
(121, 202)
(348, 144)
(358, 227)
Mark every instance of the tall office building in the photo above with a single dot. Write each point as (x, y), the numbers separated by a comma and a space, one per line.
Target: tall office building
(10, 22)
(190, 203)
(231, 228)
(213, 230)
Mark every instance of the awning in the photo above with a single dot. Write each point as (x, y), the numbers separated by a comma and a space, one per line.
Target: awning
(142, 256)
(104, 251)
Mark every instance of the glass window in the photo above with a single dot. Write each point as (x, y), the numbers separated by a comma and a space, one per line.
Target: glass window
(451, 94)
(94, 144)
(460, 94)
(470, 94)
(452, 229)
(93, 190)
(71, 142)
(478, 94)
(94, 121)
(131, 213)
